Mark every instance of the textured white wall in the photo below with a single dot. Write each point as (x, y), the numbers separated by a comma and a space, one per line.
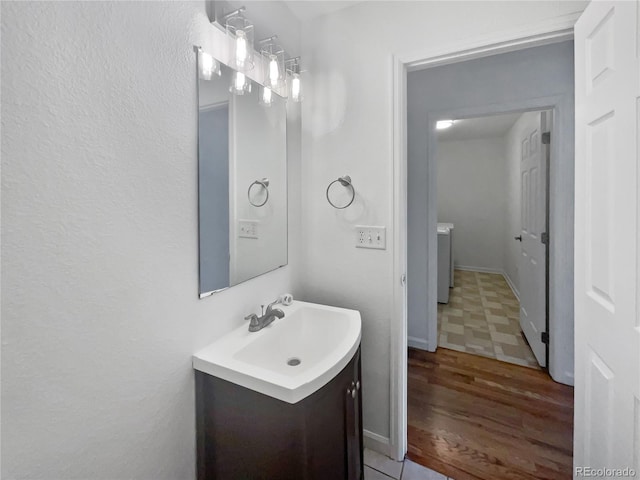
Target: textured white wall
(100, 314)
(472, 194)
(347, 129)
(513, 152)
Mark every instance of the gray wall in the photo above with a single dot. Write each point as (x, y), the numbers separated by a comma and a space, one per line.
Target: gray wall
(533, 78)
(472, 194)
(213, 198)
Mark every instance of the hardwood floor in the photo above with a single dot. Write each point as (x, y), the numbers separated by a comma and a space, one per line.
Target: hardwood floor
(472, 417)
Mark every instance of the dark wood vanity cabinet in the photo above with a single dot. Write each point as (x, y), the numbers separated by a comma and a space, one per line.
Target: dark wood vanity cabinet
(243, 434)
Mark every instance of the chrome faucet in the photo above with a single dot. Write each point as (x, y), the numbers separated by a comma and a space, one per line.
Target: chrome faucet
(258, 323)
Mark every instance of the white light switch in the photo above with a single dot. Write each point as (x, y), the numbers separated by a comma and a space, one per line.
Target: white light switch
(248, 228)
(371, 237)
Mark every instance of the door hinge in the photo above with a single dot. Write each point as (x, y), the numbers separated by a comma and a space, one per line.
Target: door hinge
(403, 279)
(544, 238)
(544, 336)
(546, 138)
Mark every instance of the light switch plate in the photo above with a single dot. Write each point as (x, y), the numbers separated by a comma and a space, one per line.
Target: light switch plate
(248, 229)
(371, 237)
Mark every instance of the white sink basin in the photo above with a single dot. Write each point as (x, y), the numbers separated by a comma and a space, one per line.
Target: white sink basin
(322, 338)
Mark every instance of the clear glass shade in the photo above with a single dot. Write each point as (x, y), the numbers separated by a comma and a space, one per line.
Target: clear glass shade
(240, 84)
(266, 96)
(295, 87)
(274, 71)
(240, 33)
(294, 81)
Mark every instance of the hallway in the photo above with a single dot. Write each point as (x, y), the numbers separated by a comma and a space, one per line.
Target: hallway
(474, 418)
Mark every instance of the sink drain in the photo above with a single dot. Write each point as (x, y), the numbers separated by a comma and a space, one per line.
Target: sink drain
(293, 362)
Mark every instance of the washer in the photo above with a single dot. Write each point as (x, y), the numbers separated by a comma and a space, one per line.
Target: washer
(444, 261)
(450, 227)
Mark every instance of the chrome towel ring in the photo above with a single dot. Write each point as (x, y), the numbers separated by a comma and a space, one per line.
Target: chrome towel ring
(264, 183)
(345, 181)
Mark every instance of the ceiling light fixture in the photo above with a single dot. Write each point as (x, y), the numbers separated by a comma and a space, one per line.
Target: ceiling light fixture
(442, 124)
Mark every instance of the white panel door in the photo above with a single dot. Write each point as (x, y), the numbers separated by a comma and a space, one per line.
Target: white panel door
(607, 325)
(532, 265)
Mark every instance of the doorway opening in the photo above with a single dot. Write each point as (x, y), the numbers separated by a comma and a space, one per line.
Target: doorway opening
(481, 393)
(466, 414)
(492, 230)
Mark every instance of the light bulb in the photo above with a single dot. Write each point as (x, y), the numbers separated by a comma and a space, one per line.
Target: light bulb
(240, 84)
(295, 88)
(207, 66)
(240, 81)
(274, 71)
(267, 96)
(241, 48)
(442, 124)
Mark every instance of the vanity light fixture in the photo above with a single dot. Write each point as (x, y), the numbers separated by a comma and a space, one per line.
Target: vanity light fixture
(295, 82)
(240, 84)
(442, 124)
(209, 66)
(276, 74)
(274, 59)
(240, 31)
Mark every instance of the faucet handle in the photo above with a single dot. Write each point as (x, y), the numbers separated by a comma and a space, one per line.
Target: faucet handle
(254, 326)
(272, 304)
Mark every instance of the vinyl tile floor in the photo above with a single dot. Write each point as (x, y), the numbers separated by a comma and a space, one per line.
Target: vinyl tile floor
(482, 318)
(379, 467)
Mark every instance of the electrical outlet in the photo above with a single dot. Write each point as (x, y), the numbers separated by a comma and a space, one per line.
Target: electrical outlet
(371, 237)
(248, 229)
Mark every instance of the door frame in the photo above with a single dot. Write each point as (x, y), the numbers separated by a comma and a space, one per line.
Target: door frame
(549, 31)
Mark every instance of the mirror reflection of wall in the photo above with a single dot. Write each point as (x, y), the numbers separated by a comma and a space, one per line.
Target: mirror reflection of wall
(242, 183)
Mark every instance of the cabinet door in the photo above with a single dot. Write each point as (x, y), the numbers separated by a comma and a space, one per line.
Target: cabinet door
(327, 428)
(353, 419)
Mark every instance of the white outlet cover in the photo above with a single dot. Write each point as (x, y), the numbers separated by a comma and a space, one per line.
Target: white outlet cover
(368, 236)
(248, 229)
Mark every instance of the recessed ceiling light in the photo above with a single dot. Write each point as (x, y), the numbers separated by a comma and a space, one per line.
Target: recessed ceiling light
(442, 124)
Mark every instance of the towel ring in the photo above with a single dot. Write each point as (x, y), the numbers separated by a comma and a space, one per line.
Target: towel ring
(264, 183)
(345, 181)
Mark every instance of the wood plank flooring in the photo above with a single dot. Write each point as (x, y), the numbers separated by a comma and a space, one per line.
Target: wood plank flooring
(473, 418)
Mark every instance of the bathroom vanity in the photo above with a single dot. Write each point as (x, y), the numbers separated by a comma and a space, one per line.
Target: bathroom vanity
(245, 434)
(284, 402)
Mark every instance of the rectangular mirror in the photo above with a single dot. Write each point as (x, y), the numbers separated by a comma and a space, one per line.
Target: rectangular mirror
(242, 182)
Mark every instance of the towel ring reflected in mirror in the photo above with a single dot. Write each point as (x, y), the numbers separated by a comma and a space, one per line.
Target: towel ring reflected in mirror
(345, 181)
(264, 183)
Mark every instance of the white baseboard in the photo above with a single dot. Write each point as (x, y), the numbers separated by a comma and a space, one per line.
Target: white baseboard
(513, 287)
(377, 443)
(468, 268)
(565, 378)
(419, 343)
